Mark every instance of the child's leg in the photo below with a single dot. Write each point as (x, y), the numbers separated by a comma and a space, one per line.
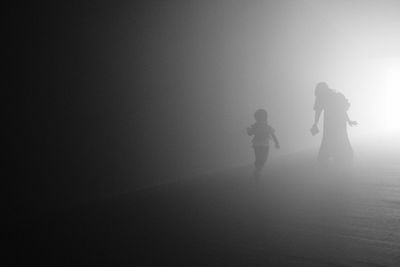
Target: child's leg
(261, 153)
(265, 154)
(258, 161)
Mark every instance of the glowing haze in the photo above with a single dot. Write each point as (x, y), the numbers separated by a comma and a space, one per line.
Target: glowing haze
(280, 52)
(220, 61)
(166, 89)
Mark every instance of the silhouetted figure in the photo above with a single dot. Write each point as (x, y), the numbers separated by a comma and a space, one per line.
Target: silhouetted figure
(262, 133)
(335, 141)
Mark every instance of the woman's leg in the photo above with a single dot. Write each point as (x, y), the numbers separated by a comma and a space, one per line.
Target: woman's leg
(324, 154)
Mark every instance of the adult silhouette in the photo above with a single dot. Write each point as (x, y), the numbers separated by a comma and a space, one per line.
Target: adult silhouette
(335, 144)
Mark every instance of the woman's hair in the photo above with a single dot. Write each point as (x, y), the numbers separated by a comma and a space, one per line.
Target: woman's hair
(321, 89)
(261, 115)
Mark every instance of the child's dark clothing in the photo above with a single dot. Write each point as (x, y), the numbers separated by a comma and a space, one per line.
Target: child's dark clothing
(262, 133)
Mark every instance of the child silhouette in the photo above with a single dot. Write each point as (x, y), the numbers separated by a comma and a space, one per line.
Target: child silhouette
(262, 133)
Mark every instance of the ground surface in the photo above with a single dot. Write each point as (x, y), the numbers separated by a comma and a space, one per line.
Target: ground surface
(297, 215)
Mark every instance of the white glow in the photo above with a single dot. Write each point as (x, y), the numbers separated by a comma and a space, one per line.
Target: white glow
(393, 99)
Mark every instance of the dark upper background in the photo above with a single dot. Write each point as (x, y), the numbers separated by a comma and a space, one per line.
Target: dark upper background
(114, 94)
(108, 94)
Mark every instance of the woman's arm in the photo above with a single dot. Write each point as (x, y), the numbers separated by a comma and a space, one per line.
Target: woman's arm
(350, 122)
(317, 116)
(314, 129)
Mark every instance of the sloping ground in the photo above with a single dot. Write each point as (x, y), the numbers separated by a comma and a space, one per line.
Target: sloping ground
(296, 216)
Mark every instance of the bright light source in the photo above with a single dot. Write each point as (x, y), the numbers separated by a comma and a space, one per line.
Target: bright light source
(393, 99)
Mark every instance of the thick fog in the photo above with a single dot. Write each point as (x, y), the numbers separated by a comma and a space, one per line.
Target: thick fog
(125, 95)
(208, 66)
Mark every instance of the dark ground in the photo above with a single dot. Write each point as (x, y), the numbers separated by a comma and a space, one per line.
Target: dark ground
(296, 216)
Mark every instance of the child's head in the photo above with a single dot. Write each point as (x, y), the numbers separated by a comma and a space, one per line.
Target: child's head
(261, 115)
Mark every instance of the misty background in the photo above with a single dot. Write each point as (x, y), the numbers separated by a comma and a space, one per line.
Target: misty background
(113, 95)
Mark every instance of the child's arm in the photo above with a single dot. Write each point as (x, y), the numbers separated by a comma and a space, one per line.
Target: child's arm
(276, 141)
(250, 131)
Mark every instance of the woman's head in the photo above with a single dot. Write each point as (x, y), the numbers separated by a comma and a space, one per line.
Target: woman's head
(321, 89)
(261, 115)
